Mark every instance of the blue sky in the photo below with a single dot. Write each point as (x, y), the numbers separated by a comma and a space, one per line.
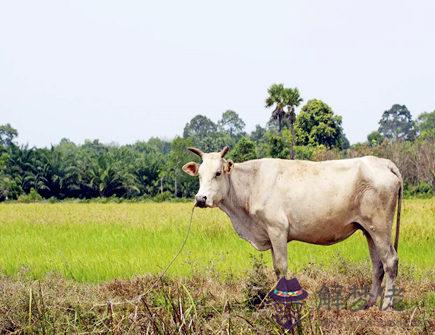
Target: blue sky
(123, 71)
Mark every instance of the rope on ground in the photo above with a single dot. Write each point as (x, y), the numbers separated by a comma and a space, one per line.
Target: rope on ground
(163, 273)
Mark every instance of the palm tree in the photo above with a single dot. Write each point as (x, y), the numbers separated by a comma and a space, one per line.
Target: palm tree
(282, 97)
(277, 97)
(293, 99)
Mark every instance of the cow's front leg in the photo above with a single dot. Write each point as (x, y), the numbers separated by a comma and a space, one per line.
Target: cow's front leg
(279, 252)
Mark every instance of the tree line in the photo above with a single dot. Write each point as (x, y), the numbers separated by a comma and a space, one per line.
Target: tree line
(152, 168)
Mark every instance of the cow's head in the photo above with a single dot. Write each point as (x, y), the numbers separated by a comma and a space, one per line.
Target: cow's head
(213, 176)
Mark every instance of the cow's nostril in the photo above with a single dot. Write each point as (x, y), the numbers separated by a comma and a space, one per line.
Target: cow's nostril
(200, 200)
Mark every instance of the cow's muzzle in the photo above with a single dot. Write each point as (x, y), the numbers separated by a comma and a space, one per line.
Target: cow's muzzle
(200, 200)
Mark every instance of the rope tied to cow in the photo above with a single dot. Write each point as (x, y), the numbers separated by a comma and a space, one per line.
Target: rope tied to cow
(180, 249)
(162, 274)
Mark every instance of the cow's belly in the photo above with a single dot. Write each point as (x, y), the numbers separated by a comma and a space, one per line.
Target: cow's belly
(321, 211)
(323, 233)
(323, 220)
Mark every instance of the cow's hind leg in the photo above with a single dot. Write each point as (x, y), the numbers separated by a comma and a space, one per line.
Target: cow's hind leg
(377, 271)
(388, 256)
(378, 209)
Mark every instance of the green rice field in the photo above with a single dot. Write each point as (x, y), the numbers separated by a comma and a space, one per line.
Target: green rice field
(90, 242)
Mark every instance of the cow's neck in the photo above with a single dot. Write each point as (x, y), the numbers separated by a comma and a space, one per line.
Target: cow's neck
(237, 206)
(238, 192)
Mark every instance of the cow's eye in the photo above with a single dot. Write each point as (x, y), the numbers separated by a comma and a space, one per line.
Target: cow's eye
(218, 173)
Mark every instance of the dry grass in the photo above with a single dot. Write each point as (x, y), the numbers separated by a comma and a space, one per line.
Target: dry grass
(205, 303)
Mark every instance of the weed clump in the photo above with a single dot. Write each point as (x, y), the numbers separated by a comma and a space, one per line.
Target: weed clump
(257, 284)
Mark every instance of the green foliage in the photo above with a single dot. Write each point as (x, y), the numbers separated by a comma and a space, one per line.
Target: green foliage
(9, 188)
(158, 144)
(244, 150)
(282, 97)
(375, 138)
(397, 124)
(149, 168)
(258, 134)
(422, 189)
(317, 124)
(204, 134)
(199, 126)
(343, 142)
(232, 124)
(278, 145)
(87, 171)
(33, 196)
(277, 98)
(179, 183)
(426, 126)
(7, 135)
(161, 197)
(304, 152)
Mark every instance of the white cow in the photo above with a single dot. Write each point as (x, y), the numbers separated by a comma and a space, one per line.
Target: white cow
(273, 201)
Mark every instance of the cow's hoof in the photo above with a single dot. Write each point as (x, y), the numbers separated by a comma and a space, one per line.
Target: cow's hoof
(368, 305)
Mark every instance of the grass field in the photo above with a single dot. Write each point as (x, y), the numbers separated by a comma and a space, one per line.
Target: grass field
(100, 242)
(76, 268)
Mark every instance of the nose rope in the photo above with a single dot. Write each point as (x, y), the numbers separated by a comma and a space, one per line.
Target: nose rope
(159, 278)
(181, 246)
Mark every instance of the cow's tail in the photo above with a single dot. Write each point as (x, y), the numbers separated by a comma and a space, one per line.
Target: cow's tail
(396, 171)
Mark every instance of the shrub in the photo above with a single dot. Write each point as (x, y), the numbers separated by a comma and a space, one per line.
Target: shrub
(53, 200)
(32, 196)
(304, 152)
(244, 150)
(422, 189)
(164, 196)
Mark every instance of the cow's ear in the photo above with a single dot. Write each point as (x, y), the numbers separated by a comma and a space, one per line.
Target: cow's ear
(228, 166)
(191, 168)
